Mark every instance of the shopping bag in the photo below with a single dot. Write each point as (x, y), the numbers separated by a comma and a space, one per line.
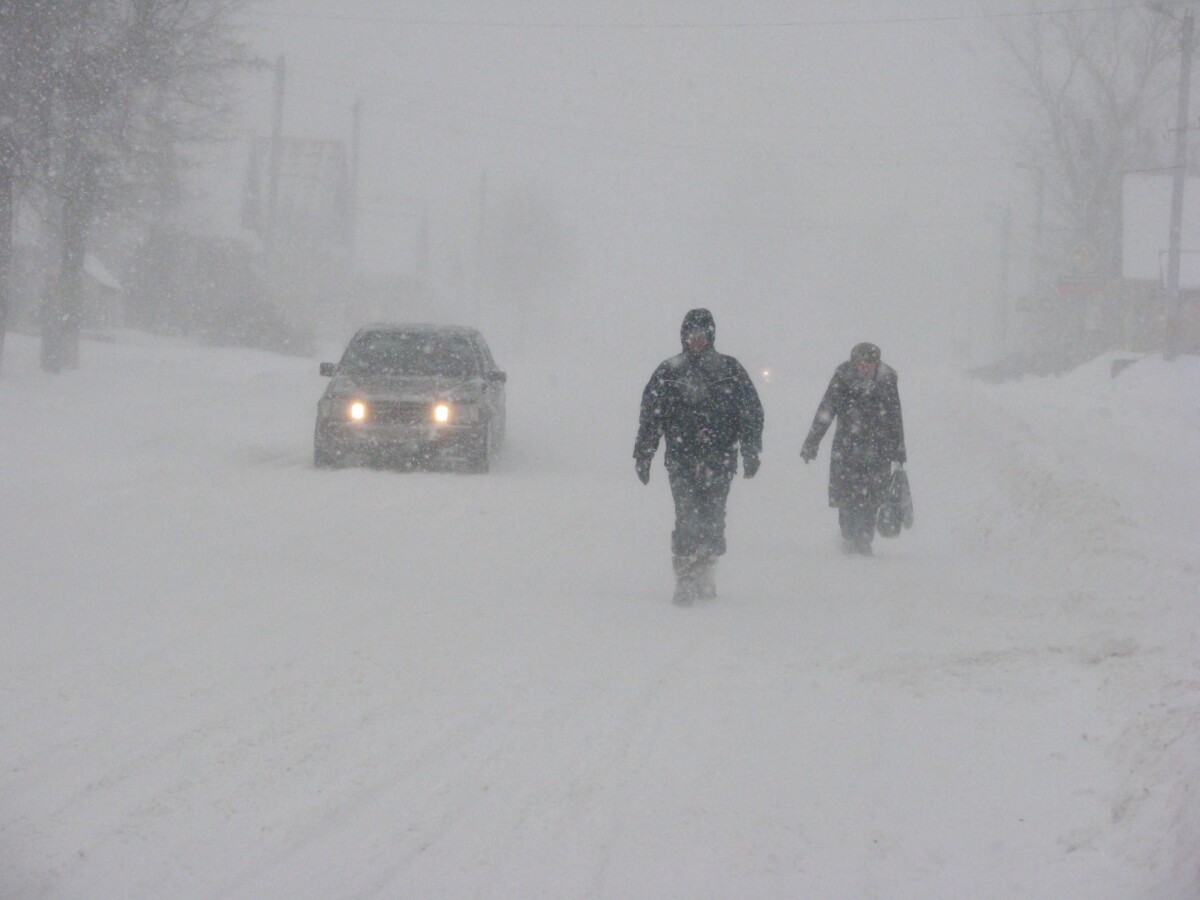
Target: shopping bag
(896, 511)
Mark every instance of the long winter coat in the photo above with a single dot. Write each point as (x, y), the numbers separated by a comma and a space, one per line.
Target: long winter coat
(704, 405)
(868, 438)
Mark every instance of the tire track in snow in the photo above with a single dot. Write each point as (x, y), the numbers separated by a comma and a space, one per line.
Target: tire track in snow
(463, 772)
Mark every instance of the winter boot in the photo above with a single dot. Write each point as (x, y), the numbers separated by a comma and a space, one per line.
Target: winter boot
(685, 580)
(706, 581)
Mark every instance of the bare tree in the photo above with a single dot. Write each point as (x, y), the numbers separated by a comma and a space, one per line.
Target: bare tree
(100, 94)
(1097, 83)
(19, 90)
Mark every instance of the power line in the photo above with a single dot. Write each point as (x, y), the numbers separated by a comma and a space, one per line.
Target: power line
(604, 127)
(470, 123)
(352, 84)
(818, 227)
(693, 26)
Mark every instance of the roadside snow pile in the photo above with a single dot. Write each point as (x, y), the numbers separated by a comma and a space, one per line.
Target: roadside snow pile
(1111, 464)
(1127, 442)
(1153, 404)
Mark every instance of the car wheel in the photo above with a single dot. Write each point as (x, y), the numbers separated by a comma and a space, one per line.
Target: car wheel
(478, 457)
(325, 456)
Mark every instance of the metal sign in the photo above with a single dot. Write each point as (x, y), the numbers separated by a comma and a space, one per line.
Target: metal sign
(1084, 256)
(1080, 287)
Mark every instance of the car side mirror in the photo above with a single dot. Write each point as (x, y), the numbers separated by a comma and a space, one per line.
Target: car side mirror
(500, 377)
(327, 369)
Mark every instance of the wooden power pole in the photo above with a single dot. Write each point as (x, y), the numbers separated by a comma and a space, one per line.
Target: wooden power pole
(275, 161)
(1172, 337)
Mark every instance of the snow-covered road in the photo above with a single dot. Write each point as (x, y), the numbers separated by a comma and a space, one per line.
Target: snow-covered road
(228, 674)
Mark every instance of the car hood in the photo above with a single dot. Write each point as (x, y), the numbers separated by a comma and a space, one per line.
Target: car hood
(402, 387)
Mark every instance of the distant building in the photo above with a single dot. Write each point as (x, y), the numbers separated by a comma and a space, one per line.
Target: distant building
(103, 297)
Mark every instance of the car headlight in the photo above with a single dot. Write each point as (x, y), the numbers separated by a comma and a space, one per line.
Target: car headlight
(357, 411)
(447, 412)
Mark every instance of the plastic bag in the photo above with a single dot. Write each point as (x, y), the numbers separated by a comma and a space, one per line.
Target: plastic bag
(896, 512)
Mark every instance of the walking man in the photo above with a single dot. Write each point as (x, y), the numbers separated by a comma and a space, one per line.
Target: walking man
(864, 397)
(704, 405)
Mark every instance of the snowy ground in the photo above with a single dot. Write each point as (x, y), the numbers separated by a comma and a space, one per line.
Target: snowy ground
(228, 674)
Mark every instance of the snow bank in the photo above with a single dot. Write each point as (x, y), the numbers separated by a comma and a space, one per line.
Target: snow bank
(226, 673)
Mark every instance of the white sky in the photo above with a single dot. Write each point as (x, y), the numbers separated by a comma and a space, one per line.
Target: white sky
(836, 164)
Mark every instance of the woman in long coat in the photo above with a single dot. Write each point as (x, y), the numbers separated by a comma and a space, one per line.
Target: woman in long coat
(864, 397)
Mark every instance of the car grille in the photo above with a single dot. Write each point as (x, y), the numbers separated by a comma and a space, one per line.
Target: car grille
(398, 412)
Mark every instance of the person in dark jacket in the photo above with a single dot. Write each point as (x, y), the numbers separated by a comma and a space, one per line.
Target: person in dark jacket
(704, 405)
(864, 397)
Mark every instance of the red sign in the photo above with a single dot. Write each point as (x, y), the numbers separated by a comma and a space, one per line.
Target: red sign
(1080, 288)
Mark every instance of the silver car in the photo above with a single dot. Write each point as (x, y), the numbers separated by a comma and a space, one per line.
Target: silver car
(412, 394)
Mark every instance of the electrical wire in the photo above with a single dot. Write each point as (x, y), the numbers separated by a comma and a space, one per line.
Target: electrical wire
(696, 26)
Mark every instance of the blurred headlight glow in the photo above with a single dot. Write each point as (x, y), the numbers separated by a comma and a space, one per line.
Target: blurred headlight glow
(441, 412)
(358, 410)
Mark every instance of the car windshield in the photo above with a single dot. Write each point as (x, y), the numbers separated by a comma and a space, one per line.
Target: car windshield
(412, 353)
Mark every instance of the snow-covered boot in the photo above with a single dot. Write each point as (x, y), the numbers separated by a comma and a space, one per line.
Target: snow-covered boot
(706, 578)
(685, 580)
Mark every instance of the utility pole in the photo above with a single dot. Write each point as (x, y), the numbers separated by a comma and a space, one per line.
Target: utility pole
(7, 206)
(1037, 253)
(1005, 265)
(355, 145)
(275, 161)
(423, 244)
(1172, 338)
(1039, 226)
(1002, 282)
(480, 243)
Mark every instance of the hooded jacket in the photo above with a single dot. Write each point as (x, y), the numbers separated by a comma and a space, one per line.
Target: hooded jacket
(702, 403)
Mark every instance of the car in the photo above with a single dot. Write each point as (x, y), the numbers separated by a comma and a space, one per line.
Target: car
(412, 394)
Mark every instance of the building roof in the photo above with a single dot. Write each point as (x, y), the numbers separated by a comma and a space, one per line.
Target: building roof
(99, 274)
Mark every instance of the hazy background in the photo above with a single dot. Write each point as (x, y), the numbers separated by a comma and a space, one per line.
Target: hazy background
(817, 173)
(226, 673)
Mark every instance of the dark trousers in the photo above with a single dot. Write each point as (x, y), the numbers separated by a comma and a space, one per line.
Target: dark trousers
(700, 491)
(858, 490)
(857, 523)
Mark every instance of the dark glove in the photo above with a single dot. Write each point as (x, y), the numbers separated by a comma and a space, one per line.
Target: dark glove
(808, 453)
(749, 464)
(643, 470)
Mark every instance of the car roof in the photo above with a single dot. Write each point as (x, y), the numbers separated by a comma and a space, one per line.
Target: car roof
(418, 327)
